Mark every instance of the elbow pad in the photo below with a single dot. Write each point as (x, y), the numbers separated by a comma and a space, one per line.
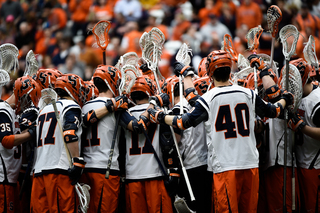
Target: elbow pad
(90, 118)
(191, 95)
(273, 93)
(139, 126)
(69, 133)
(187, 120)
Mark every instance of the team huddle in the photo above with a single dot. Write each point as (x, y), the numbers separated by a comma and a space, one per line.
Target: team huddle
(194, 142)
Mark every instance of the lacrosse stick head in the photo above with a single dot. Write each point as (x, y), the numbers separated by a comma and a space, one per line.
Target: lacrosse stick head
(82, 191)
(9, 57)
(203, 84)
(249, 83)
(289, 37)
(27, 92)
(202, 69)
(4, 77)
(181, 205)
(143, 84)
(295, 85)
(111, 77)
(242, 62)
(157, 37)
(144, 39)
(130, 58)
(32, 64)
(228, 47)
(309, 53)
(91, 91)
(253, 37)
(217, 59)
(239, 77)
(47, 77)
(152, 55)
(303, 68)
(183, 54)
(266, 58)
(129, 74)
(100, 32)
(274, 17)
(47, 95)
(73, 85)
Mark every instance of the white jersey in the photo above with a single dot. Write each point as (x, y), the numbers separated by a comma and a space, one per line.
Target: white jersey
(192, 146)
(140, 160)
(10, 159)
(230, 128)
(50, 151)
(307, 150)
(99, 136)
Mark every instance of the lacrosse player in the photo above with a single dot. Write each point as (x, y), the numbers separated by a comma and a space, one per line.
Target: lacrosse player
(306, 123)
(104, 192)
(53, 183)
(228, 112)
(26, 93)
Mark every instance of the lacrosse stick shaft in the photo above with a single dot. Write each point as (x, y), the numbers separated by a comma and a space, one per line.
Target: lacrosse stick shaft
(181, 95)
(272, 51)
(26, 174)
(104, 57)
(285, 142)
(176, 145)
(113, 143)
(255, 81)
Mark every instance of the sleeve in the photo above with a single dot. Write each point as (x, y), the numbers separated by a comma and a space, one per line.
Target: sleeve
(5, 125)
(125, 118)
(315, 116)
(72, 119)
(266, 109)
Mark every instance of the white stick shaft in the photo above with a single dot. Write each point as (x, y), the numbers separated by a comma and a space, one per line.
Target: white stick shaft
(181, 95)
(255, 81)
(272, 50)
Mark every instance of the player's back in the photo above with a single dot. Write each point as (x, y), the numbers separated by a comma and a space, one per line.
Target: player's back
(99, 136)
(140, 161)
(10, 157)
(230, 128)
(50, 152)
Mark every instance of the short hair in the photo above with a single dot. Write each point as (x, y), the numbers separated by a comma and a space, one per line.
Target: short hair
(222, 74)
(138, 96)
(100, 84)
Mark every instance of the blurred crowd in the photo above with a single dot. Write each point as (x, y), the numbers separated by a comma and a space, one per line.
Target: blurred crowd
(59, 31)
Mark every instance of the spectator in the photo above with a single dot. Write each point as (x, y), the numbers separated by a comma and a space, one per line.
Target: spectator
(204, 12)
(249, 13)
(226, 11)
(56, 17)
(193, 37)
(155, 20)
(305, 19)
(130, 9)
(25, 36)
(180, 25)
(10, 7)
(45, 41)
(80, 10)
(4, 38)
(64, 50)
(103, 10)
(130, 40)
(72, 66)
(214, 30)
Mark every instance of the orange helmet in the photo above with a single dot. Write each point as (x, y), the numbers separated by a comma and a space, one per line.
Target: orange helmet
(92, 91)
(26, 90)
(217, 59)
(73, 85)
(144, 84)
(169, 87)
(202, 85)
(47, 77)
(202, 71)
(303, 68)
(249, 83)
(110, 75)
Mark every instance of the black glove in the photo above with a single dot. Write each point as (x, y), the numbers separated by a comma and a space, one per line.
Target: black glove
(161, 100)
(145, 69)
(288, 97)
(172, 184)
(27, 118)
(76, 170)
(33, 132)
(256, 61)
(181, 69)
(295, 122)
(117, 103)
(156, 116)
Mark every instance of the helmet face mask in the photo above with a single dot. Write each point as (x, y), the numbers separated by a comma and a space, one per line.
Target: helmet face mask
(27, 92)
(111, 76)
(217, 59)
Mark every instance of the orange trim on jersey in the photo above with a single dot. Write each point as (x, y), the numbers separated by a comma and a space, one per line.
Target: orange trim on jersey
(79, 165)
(180, 124)
(69, 132)
(174, 174)
(89, 115)
(278, 109)
(7, 141)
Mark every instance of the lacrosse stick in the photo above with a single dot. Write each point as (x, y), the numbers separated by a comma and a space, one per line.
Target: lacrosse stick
(100, 32)
(274, 16)
(183, 57)
(289, 37)
(151, 55)
(181, 205)
(9, 57)
(309, 53)
(228, 47)
(241, 75)
(242, 62)
(4, 79)
(128, 78)
(253, 37)
(50, 96)
(32, 64)
(130, 58)
(267, 59)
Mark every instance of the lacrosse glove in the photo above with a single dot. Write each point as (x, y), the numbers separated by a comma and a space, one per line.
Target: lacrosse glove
(288, 97)
(156, 116)
(256, 61)
(27, 118)
(76, 170)
(295, 122)
(161, 100)
(181, 69)
(117, 103)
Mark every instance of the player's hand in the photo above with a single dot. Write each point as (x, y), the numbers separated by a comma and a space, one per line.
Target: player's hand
(181, 69)
(117, 103)
(288, 97)
(33, 132)
(145, 69)
(156, 116)
(161, 100)
(295, 122)
(76, 170)
(256, 61)
(27, 118)
(172, 183)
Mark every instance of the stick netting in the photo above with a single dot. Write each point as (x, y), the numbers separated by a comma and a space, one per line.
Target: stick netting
(100, 32)
(4, 77)
(253, 37)
(266, 58)
(309, 53)
(128, 77)
(47, 95)
(242, 62)
(9, 57)
(241, 75)
(229, 48)
(32, 64)
(183, 54)
(84, 196)
(274, 16)
(289, 37)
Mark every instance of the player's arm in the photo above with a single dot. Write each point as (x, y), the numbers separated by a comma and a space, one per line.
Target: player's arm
(128, 121)
(112, 105)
